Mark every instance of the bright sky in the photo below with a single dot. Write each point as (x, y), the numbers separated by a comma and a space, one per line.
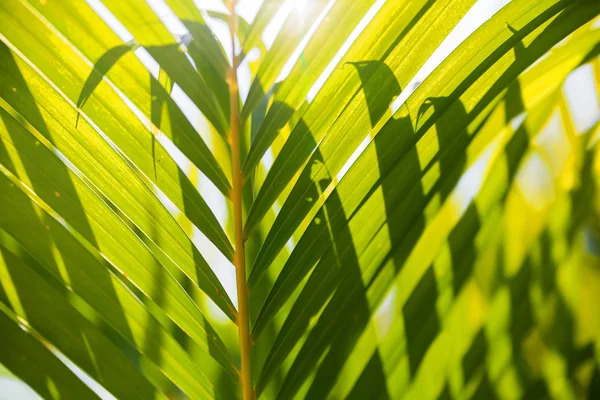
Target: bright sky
(580, 93)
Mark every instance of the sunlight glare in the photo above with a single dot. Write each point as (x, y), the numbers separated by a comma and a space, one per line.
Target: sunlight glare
(248, 9)
(300, 6)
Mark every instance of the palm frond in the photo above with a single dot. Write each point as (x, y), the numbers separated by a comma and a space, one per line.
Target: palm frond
(404, 239)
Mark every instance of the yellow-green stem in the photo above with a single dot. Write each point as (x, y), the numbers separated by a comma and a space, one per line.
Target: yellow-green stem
(236, 197)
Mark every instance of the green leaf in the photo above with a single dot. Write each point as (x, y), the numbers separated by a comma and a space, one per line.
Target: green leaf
(291, 93)
(264, 15)
(29, 359)
(469, 275)
(352, 116)
(89, 35)
(103, 230)
(205, 90)
(52, 121)
(537, 83)
(142, 337)
(206, 51)
(71, 334)
(112, 116)
(346, 244)
(292, 32)
(410, 257)
(243, 25)
(405, 239)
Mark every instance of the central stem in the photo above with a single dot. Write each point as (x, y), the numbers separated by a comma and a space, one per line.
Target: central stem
(236, 197)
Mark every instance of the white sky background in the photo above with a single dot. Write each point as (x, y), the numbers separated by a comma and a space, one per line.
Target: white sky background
(580, 94)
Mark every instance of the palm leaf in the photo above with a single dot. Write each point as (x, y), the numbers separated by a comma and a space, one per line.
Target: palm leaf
(406, 240)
